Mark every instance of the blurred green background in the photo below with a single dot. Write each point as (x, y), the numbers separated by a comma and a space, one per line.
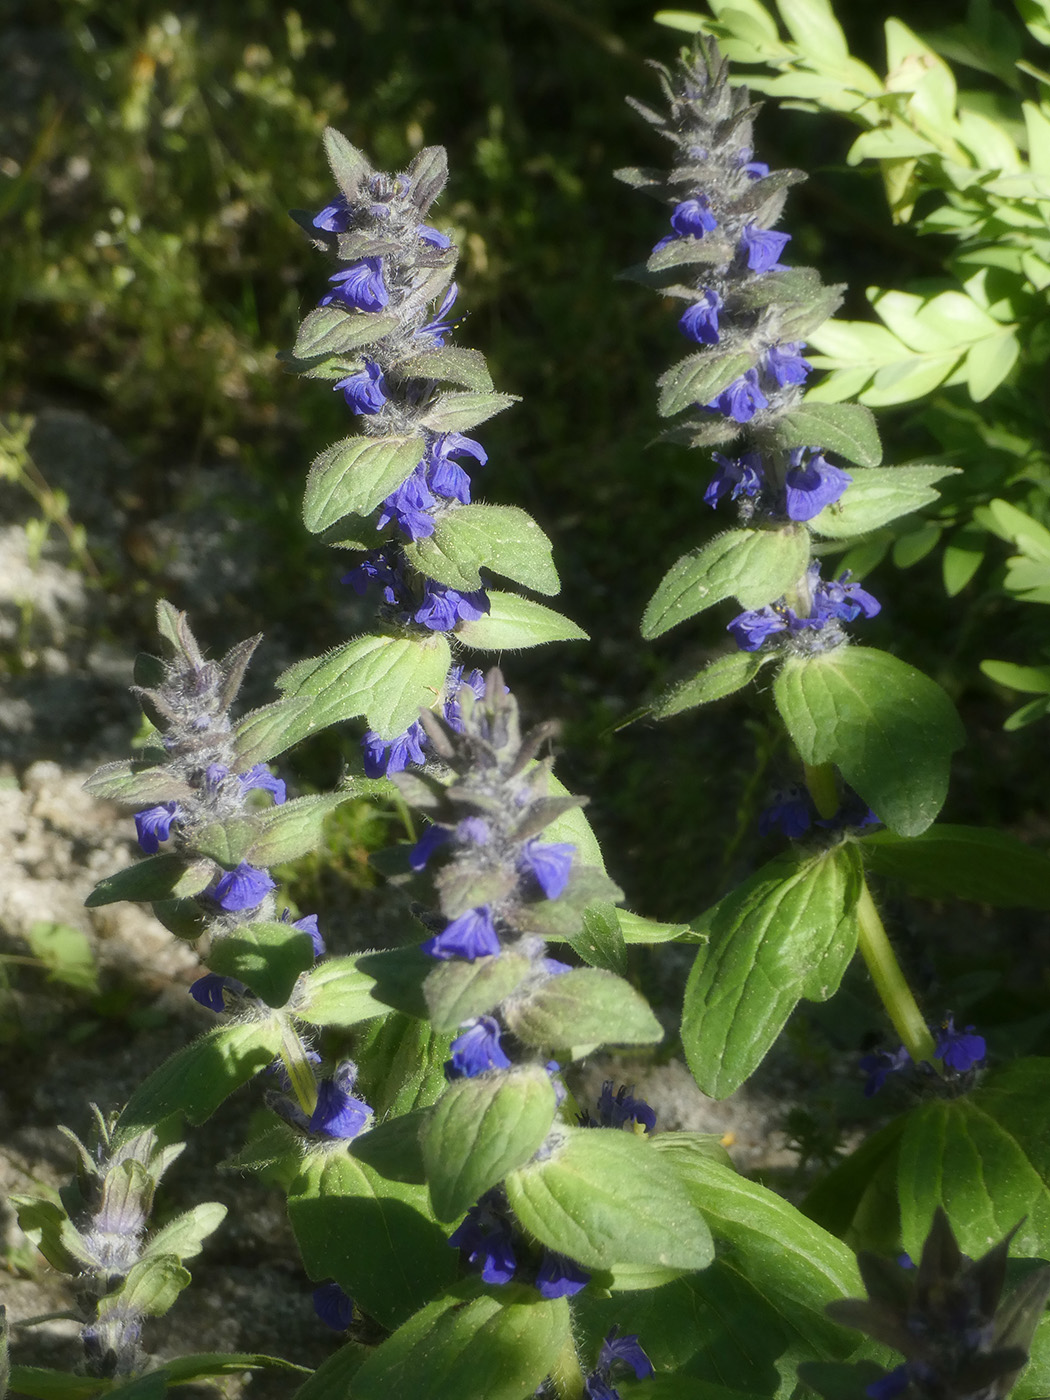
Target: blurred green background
(151, 273)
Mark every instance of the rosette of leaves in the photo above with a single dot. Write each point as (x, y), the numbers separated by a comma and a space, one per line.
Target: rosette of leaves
(886, 727)
(399, 488)
(194, 783)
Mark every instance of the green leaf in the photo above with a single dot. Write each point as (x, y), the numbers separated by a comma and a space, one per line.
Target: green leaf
(453, 363)
(583, 1007)
(636, 929)
(505, 539)
(190, 1368)
(910, 548)
(507, 1341)
(963, 555)
(375, 1237)
(482, 1128)
(1024, 678)
(353, 476)
(66, 953)
(890, 729)
(268, 731)
(184, 1236)
(136, 784)
(698, 379)
(684, 252)
(159, 877)
(266, 957)
(719, 678)
(985, 1158)
(753, 566)
(513, 622)
(43, 1384)
(151, 1287)
(330, 330)
(402, 1063)
(349, 167)
(457, 990)
(847, 429)
(963, 862)
(606, 1197)
(337, 993)
(271, 835)
(386, 679)
(601, 942)
(393, 1149)
(876, 496)
(198, 1078)
(332, 1379)
(789, 931)
(398, 976)
(459, 412)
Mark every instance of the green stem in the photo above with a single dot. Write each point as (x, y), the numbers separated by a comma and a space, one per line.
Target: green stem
(889, 981)
(823, 787)
(300, 1074)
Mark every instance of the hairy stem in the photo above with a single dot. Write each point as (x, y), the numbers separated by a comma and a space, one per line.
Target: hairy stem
(889, 980)
(300, 1075)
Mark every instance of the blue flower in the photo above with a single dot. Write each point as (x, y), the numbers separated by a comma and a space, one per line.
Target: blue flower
(785, 365)
(209, 991)
(433, 236)
(627, 1351)
(812, 485)
(445, 476)
(334, 1307)
(366, 391)
(360, 286)
(260, 777)
(376, 569)
(334, 218)
(408, 507)
(879, 1065)
(620, 1110)
(308, 925)
(753, 169)
(435, 330)
(477, 1049)
(700, 321)
(432, 840)
(154, 825)
(560, 1277)
(751, 629)
(789, 812)
(454, 683)
(893, 1383)
(472, 935)
(762, 247)
(486, 1241)
(382, 756)
(548, 864)
(960, 1050)
(836, 598)
(691, 218)
(742, 399)
(242, 888)
(740, 476)
(338, 1114)
(443, 607)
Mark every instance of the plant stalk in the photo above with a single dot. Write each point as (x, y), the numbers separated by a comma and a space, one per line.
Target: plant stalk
(889, 980)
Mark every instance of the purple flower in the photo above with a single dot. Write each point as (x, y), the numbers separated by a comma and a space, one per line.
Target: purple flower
(486, 1242)
(879, 1065)
(434, 237)
(472, 935)
(334, 1307)
(693, 218)
(154, 825)
(597, 1387)
(892, 1384)
(762, 247)
(785, 364)
(384, 756)
(741, 476)
(242, 888)
(308, 925)
(700, 321)
(375, 569)
(960, 1050)
(443, 607)
(742, 399)
(360, 286)
(334, 218)
(754, 169)
(836, 598)
(432, 840)
(260, 777)
(789, 812)
(626, 1350)
(751, 629)
(445, 476)
(338, 1114)
(812, 485)
(408, 507)
(366, 391)
(620, 1110)
(549, 865)
(435, 330)
(554, 968)
(209, 989)
(559, 1277)
(477, 1049)
(454, 684)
